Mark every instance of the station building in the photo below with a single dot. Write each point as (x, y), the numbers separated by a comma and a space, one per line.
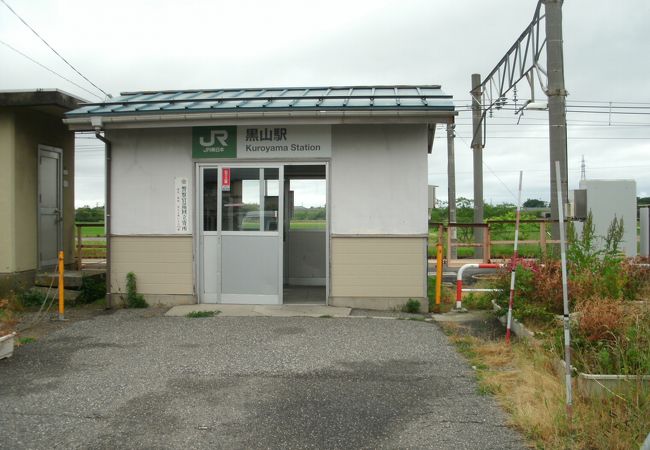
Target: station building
(269, 196)
(36, 184)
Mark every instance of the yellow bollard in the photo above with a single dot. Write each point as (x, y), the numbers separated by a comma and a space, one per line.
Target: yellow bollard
(439, 267)
(61, 288)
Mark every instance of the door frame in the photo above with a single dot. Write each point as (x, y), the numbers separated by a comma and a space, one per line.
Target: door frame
(198, 222)
(59, 229)
(199, 233)
(328, 208)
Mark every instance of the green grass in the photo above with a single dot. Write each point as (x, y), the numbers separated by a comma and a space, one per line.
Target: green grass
(25, 340)
(201, 314)
(92, 232)
(307, 225)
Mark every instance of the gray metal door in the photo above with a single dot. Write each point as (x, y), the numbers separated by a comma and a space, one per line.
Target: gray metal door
(251, 234)
(50, 205)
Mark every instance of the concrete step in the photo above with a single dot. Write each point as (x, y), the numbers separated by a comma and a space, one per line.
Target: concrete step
(71, 279)
(68, 294)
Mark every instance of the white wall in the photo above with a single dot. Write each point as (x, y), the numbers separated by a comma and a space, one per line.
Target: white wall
(379, 179)
(609, 198)
(305, 254)
(145, 163)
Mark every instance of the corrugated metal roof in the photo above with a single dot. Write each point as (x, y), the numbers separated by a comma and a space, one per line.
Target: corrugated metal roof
(423, 97)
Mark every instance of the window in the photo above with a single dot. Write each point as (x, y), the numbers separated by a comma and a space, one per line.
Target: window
(210, 199)
(251, 201)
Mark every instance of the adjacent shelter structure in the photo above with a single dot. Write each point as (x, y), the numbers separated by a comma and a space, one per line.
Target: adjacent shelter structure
(270, 196)
(36, 183)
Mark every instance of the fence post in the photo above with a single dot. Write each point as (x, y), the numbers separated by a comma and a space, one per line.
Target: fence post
(439, 267)
(448, 244)
(487, 246)
(542, 237)
(78, 247)
(61, 286)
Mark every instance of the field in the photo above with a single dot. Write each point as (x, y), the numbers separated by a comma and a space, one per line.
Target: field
(498, 232)
(92, 231)
(307, 225)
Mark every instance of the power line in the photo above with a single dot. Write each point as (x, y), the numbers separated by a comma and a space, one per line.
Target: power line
(577, 138)
(48, 69)
(52, 48)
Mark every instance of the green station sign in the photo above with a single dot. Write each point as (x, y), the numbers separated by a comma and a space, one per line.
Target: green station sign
(214, 142)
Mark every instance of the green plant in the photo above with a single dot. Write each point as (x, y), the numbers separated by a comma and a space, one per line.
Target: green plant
(33, 298)
(477, 301)
(411, 306)
(610, 338)
(8, 319)
(446, 297)
(133, 299)
(201, 314)
(25, 340)
(92, 288)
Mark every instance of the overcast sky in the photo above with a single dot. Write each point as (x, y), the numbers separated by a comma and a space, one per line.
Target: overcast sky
(148, 45)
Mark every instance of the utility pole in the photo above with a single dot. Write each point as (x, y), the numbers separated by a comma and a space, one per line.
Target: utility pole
(556, 105)
(451, 186)
(477, 150)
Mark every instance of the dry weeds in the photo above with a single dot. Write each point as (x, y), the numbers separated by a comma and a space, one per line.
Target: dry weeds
(524, 382)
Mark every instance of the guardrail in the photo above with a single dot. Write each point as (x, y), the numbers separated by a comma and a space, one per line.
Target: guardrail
(79, 240)
(487, 233)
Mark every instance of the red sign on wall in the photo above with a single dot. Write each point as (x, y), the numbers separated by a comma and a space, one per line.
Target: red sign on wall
(225, 179)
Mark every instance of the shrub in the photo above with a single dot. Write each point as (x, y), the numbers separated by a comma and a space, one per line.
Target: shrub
(32, 298)
(636, 278)
(133, 299)
(474, 301)
(446, 296)
(411, 306)
(92, 288)
(600, 319)
(612, 348)
(538, 289)
(8, 319)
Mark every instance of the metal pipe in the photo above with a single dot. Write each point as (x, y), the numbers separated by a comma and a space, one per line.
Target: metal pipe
(107, 214)
(61, 287)
(459, 279)
(515, 256)
(565, 297)
(477, 153)
(451, 187)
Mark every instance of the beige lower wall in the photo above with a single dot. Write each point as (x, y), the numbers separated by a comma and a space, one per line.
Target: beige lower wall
(376, 271)
(162, 265)
(7, 188)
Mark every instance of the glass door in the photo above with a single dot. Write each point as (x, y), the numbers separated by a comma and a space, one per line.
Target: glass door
(241, 238)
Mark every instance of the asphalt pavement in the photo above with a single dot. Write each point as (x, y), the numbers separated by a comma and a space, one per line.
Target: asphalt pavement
(130, 380)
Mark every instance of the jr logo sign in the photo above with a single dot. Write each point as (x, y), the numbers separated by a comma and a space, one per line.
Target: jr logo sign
(214, 142)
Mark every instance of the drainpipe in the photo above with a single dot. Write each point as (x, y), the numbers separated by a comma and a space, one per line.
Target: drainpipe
(97, 124)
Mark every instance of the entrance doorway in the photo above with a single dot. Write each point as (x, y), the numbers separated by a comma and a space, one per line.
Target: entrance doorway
(262, 233)
(50, 205)
(305, 234)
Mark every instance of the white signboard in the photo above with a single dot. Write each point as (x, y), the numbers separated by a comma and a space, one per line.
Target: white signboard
(182, 202)
(262, 142)
(298, 141)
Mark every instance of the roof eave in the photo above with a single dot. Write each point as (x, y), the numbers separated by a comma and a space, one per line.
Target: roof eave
(257, 117)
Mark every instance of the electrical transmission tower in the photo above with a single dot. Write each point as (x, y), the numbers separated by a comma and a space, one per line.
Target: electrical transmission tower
(524, 61)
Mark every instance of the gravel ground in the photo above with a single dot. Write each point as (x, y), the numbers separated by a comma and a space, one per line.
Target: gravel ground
(137, 380)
